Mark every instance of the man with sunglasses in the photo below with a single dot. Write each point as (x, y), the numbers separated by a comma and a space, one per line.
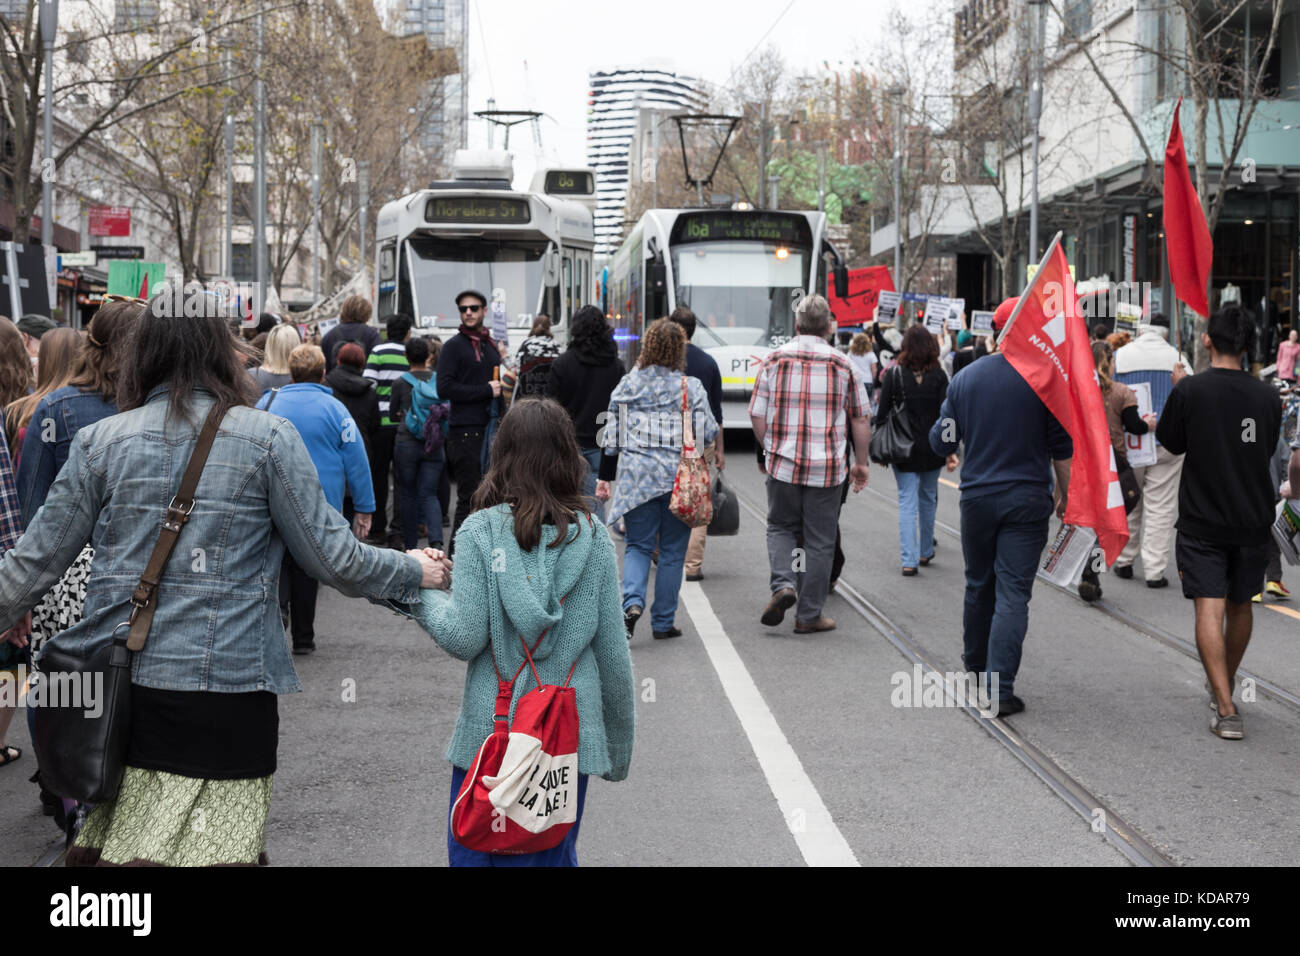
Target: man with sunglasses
(467, 379)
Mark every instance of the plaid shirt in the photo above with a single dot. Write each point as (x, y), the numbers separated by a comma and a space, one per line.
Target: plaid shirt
(802, 391)
(11, 516)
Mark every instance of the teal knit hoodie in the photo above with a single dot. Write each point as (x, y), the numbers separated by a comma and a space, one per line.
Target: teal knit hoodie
(501, 590)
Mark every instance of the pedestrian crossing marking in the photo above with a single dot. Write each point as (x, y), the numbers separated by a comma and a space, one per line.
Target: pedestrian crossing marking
(818, 838)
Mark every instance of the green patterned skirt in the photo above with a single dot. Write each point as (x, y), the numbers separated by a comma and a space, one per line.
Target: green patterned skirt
(163, 819)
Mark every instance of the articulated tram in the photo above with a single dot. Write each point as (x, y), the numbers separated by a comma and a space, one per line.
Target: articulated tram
(740, 271)
(531, 251)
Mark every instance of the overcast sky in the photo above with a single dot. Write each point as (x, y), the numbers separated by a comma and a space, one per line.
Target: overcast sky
(536, 56)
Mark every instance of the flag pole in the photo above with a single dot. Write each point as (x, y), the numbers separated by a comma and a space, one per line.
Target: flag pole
(1020, 302)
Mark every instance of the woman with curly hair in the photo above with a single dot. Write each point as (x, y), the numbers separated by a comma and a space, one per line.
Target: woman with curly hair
(920, 385)
(582, 379)
(643, 444)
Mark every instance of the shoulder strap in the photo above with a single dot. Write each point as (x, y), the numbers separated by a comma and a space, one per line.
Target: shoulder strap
(144, 601)
(271, 401)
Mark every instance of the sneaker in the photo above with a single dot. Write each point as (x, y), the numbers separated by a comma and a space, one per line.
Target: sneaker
(1124, 571)
(1160, 582)
(630, 616)
(1229, 727)
(304, 649)
(1278, 590)
(781, 602)
(1258, 598)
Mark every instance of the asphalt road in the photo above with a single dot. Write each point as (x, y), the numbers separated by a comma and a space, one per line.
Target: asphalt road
(756, 746)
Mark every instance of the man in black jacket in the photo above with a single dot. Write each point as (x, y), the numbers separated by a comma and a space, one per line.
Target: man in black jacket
(699, 364)
(468, 380)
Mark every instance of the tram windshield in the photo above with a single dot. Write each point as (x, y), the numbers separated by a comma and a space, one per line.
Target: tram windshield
(741, 291)
(442, 267)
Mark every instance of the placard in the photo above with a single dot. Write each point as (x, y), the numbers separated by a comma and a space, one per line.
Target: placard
(956, 315)
(981, 323)
(1127, 317)
(1141, 449)
(936, 314)
(1065, 560)
(498, 312)
(888, 304)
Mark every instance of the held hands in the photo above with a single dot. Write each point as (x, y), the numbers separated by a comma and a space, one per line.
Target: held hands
(859, 474)
(18, 634)
(435, 568)
(602, 490)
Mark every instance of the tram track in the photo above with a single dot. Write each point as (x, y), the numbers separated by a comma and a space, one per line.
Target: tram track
(1263, 685)
(1114, 828)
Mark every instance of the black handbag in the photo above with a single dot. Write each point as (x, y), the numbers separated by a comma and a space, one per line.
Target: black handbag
(726, 509)
(1128, 485)
(892, 440)
(82, 728)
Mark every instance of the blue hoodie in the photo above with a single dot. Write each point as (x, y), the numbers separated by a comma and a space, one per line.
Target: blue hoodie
(332, 438)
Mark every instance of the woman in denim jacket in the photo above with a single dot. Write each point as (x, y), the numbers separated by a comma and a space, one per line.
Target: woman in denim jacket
(204, 712)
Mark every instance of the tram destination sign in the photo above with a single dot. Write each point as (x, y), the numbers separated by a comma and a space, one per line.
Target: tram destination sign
(477, 209)
(764, 227)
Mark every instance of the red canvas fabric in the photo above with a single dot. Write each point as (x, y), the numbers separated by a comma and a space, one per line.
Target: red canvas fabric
(1187, 236)
(1047, 343)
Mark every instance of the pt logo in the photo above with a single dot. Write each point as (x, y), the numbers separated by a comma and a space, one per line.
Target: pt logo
(1055, 330)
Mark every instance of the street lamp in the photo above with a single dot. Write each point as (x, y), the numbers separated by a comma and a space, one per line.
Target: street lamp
(317, 135)
(1039, 27)
(895, 94)
(49, 27)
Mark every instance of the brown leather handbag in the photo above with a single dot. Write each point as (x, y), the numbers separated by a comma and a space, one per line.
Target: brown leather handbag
(82, 752)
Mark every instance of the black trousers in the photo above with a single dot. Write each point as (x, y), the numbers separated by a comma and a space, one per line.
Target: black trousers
(464, 456)
(298, 591)
(381, 467)
(837, 564)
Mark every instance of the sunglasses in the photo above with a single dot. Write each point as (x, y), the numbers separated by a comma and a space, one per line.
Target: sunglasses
(133, 299)
(471, 308)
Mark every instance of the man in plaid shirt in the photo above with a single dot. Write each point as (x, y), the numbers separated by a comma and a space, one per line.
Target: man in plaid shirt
(806, 399)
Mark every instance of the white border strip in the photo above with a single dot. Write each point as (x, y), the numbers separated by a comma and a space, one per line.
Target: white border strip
(807, 818)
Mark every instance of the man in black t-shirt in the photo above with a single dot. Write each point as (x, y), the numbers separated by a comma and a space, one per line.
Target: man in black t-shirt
(1227, 422)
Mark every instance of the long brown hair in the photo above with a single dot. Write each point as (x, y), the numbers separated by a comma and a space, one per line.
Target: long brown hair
(55, 362)
(537, 470)
(920, 352)
(15, 363)
(1102, 357)
(100, 363)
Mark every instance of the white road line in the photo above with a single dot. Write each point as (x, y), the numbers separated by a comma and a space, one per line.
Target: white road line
(810, 823)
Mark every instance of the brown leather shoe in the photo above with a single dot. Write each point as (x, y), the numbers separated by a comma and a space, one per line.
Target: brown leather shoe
(781, 602)
(814, 626)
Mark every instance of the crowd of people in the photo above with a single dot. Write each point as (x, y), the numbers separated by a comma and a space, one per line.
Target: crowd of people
(553, 455)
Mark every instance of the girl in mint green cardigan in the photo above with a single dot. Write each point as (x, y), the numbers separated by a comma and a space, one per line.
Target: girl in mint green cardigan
(529, 543)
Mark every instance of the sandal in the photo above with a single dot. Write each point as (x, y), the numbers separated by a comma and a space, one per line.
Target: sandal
(4, 754)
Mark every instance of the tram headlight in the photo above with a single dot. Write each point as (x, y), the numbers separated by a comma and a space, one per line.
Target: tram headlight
(782, 252)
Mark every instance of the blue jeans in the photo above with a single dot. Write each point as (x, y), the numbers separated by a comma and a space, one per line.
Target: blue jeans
(593, 456)
(417, 484)
(649, 526)
(1002, 538)
(918, 491)
(566, 854)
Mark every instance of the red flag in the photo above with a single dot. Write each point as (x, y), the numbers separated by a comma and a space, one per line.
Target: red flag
(144, 286)
(1187, 237)
(1047, 343)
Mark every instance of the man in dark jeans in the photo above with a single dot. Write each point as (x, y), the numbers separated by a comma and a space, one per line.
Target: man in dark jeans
(1006, 503)
(467, 379)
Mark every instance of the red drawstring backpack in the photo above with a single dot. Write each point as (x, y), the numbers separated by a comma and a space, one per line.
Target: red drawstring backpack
(521, 793)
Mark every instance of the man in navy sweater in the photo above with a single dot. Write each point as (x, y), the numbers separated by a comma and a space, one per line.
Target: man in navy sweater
(467, 380)
(699, 364)
(1006, 503)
